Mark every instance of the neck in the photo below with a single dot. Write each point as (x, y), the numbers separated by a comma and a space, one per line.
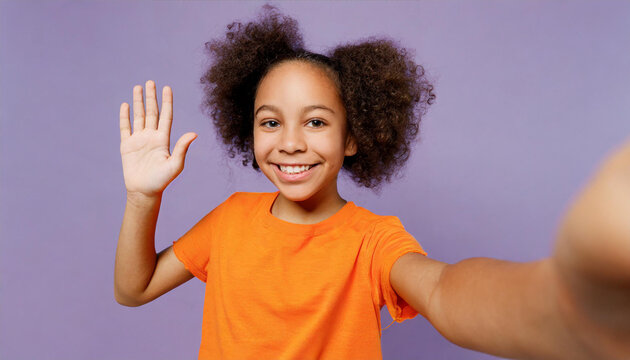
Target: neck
(310, 211)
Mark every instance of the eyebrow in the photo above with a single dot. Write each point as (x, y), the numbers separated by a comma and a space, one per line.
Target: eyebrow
(305, 110)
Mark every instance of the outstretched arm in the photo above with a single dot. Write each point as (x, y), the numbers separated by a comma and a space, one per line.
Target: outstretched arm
(498, 307)
(574, 305)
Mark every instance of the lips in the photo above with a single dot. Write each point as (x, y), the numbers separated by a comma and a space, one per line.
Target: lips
(294, 169)
(294, 172)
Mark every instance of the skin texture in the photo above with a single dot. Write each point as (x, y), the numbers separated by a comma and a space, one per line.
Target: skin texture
(286, 131)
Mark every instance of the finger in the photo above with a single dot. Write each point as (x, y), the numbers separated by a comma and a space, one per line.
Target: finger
(166, 115)
(138, 109)
(152, 106)
(125, 125)
(181, 148)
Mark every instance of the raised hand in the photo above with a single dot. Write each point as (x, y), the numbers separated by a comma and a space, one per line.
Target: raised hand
(148, 165)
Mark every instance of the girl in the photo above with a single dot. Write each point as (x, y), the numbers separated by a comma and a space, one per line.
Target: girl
(302, 273)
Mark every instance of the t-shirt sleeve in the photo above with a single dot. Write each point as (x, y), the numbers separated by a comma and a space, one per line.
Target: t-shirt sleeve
(193, 248)
(391, 242)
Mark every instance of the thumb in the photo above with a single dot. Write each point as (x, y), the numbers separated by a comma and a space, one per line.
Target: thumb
(181, 147)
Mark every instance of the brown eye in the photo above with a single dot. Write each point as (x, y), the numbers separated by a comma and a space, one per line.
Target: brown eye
(270, 124)
(316, 123)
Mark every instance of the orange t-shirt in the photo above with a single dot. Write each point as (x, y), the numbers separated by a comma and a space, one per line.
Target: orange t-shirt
(279, 290)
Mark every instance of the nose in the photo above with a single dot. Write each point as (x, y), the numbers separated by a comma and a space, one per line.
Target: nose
(292, 140)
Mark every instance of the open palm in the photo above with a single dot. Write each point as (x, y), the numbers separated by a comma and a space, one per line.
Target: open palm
(148, 165)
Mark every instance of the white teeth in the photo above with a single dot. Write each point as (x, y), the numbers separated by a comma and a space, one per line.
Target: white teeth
(294, 169)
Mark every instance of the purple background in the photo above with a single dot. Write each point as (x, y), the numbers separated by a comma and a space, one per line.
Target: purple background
(531, 96)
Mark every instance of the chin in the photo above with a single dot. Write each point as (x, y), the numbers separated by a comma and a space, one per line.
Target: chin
(296, 195)
(293, 192)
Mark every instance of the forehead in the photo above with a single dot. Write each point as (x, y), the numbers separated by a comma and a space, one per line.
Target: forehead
(297, 82)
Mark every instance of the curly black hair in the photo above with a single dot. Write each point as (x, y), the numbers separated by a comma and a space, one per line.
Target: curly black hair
(384, 92)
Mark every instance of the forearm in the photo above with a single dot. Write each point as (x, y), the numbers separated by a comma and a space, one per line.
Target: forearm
(135, 254)
(503, 308)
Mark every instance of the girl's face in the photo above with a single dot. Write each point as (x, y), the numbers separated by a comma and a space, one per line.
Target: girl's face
(300, 136)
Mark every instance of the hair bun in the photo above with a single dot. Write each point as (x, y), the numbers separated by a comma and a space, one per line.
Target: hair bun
(237, 63)
(386, 95)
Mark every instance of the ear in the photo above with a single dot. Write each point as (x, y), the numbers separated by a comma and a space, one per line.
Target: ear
(351, 146)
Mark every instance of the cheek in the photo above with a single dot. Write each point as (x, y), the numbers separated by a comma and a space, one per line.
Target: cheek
(335, 149)
(262, 147)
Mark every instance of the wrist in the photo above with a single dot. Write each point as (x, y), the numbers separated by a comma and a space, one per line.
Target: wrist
(139, 199)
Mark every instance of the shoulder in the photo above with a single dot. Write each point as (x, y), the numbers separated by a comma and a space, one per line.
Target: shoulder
(386, 233)
(368, 220)
(379, 231)
(245, 202)
(248, 198)
(236, 207)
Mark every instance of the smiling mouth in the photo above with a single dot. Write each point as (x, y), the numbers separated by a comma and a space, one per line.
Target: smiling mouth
(293, 170)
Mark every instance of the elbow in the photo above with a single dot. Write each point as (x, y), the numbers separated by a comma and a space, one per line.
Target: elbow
(129, 303)
(126, 300)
